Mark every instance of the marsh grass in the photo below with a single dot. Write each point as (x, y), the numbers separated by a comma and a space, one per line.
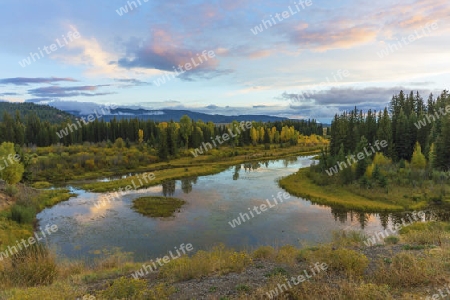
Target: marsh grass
(157, 206)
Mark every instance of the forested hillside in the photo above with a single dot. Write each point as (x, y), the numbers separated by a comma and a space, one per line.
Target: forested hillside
(407, 120)
(44, 112)
(167, 137)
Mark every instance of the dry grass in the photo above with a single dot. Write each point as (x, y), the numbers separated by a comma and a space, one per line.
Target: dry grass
(219, 260)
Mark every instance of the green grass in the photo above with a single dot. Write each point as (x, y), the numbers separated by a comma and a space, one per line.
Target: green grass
(300, 185)
(157, 206)
(16, 221)
(160, 177)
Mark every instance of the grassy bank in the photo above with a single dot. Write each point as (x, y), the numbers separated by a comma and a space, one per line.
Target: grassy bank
(199, 166)
(301, 185)
(86, 162)
(413, 265)
(17, 220)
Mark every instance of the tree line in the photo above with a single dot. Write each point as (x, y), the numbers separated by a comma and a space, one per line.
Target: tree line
(166, 136)
(408, 124)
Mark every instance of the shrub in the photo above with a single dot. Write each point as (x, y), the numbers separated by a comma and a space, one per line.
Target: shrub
(287, 254)
(125, 288)
(391, 240)
(22, 214)
(41, 185)
(161, 292)
(11, 190)
(264, 252)
(346, 260)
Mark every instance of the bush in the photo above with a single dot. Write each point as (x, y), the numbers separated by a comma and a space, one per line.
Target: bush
(264, 252)
(348, 261)
(11, 190)
(22, 214)
(41, 185)
(125, 288)
(287, 254)
(391, 240)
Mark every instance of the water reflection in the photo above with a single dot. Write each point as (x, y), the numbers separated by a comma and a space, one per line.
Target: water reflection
(168, 188)
(212, 202)
(388, 219)
(186, 184)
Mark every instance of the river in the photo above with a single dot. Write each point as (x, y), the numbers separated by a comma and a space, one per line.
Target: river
(86, 231)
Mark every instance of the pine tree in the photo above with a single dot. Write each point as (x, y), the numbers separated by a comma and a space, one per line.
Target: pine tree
(362, 164)
(418, 160)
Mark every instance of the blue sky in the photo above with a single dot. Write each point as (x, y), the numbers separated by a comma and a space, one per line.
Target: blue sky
(322, 57)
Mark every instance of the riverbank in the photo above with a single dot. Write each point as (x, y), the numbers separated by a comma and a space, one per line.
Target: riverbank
(66, 165)
(199, 166)
(412, 265)
(348, 197)
(27, 202)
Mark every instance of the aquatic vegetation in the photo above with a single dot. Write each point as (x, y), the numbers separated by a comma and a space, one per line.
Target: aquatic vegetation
(157, 206)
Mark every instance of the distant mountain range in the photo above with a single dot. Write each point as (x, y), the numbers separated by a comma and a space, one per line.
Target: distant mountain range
(83, 109)
(166, 115)
(57, 112)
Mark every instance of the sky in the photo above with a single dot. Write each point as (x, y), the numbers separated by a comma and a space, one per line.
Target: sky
(296, 59)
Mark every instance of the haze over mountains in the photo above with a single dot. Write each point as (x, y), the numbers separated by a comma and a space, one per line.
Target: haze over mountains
(64, 109)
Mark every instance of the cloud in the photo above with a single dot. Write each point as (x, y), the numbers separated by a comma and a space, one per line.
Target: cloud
(167, 51)
(28, 81)
(40, 100)
(60, 92)
(132, 82)
(8, 94)
(333, 38)
(347, 97)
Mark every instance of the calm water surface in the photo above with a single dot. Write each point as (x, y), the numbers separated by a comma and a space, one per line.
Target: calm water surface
(86, 231)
